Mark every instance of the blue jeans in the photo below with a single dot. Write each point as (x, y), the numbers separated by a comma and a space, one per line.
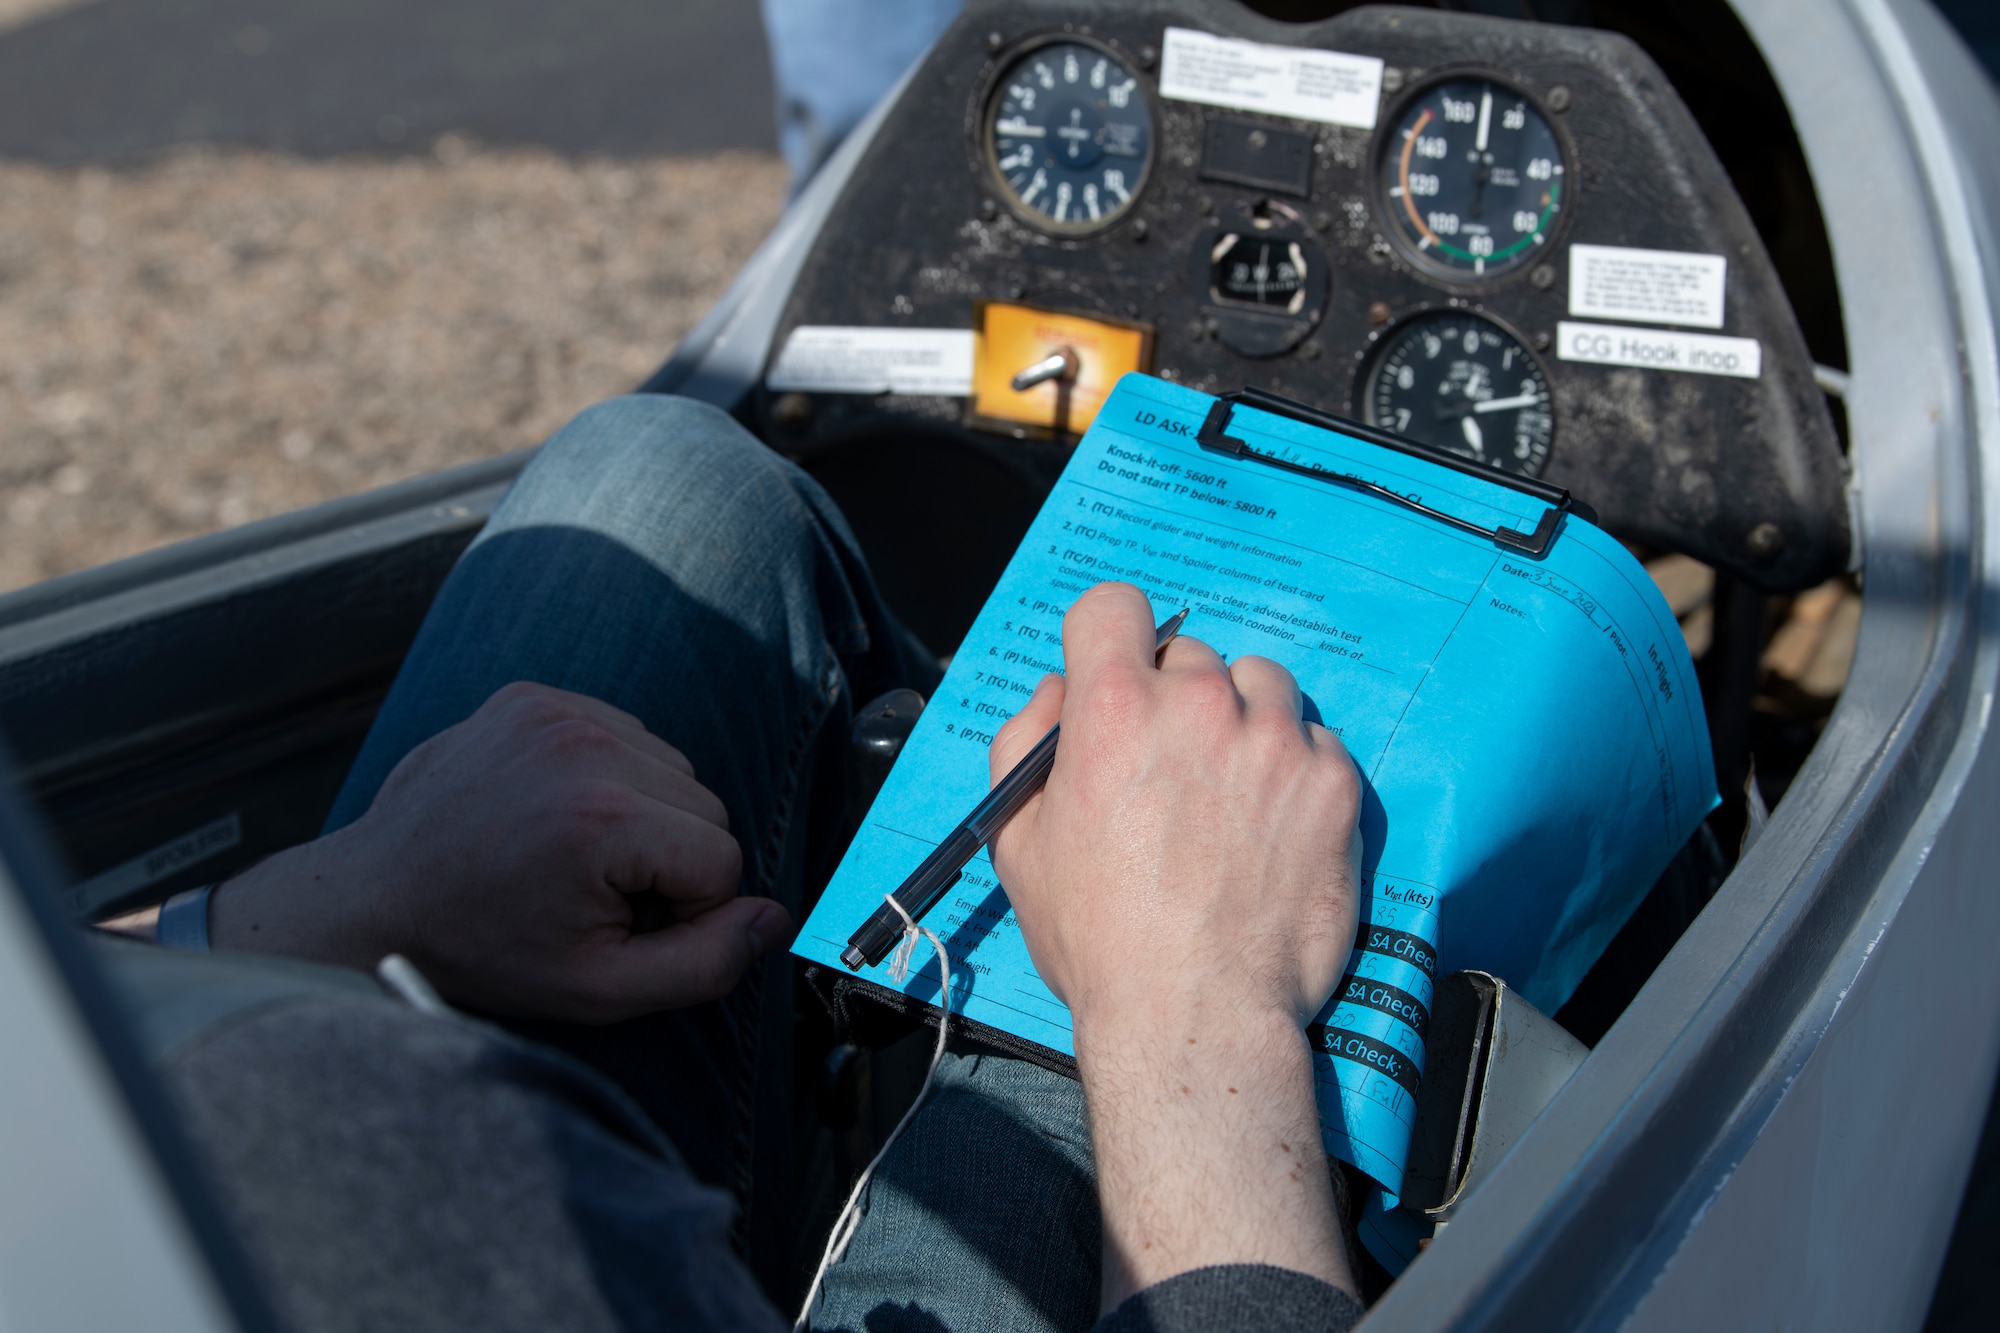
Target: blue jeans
(832, 60)
(656, 556)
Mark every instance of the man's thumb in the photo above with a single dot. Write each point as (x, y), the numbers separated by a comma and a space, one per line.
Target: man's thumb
(1042, 711)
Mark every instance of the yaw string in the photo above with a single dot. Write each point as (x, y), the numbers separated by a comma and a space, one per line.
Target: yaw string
(850, 1216)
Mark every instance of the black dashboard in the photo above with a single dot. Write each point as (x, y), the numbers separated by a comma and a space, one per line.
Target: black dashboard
(1504, 238)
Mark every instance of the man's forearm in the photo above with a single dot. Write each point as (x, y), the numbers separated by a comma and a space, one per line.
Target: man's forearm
(1207, 1145)
(305, 902)
(301, 902)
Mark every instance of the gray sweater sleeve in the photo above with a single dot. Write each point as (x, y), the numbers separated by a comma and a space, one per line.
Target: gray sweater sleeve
(387, 1169)
(1236, 1297)
(390, 1170)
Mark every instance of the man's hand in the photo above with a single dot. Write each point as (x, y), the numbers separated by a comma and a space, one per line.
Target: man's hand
(504, 857)
(1186, 883)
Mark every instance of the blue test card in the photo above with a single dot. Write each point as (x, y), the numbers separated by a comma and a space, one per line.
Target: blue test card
(1529, 728)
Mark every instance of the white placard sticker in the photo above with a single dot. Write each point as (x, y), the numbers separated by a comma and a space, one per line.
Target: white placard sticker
(1659, 349)
(1657, 286)
(829, 358)
(1329, 86)
(169, 858)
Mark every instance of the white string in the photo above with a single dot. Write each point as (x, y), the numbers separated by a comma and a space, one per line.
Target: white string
(400, 975)
(849, 1220)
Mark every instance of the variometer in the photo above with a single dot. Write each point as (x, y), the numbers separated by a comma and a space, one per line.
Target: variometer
(1461, 382)
(1069, 134)
(1472, 178)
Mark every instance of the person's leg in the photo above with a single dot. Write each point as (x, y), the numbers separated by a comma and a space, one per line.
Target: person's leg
(832, 60)
(982, 1217)
(656, 556)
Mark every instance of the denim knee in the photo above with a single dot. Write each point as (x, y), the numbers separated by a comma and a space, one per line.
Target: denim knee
(617, 463)
(657, 438)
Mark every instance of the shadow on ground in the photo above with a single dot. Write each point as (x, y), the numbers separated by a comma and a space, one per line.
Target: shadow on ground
(116, 80)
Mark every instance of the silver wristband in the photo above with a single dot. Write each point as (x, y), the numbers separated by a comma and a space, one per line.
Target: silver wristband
(184, 920)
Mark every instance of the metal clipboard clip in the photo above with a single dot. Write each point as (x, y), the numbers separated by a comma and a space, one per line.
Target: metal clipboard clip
(1534, 544)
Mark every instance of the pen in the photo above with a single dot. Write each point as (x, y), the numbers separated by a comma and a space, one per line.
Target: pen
(941, 869)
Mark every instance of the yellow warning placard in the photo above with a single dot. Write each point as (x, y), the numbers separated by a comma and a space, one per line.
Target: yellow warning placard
(1011, 338)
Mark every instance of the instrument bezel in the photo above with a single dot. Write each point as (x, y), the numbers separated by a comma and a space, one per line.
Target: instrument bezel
(987, 108)
(1384, 147)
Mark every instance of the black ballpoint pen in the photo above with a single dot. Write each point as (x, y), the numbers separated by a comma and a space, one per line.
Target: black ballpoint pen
(941, 869)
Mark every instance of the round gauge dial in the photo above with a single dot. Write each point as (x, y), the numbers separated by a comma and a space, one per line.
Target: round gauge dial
(1463, 383)
(1472, 176)
(1070, 134)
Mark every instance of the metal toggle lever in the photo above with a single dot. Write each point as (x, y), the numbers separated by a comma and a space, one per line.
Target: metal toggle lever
(1062, 365)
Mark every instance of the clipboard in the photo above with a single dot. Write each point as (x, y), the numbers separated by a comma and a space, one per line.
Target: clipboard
(1497, 667)
(1534, 544)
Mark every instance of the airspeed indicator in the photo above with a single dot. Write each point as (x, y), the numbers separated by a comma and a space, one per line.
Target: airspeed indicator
(1472, 178)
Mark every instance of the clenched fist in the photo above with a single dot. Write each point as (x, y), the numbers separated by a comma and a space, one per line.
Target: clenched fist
(506, 856)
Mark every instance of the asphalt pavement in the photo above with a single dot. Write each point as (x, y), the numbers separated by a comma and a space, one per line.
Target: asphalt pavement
(115, 81)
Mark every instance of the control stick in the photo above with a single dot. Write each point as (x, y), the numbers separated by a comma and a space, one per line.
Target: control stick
(1063, 365)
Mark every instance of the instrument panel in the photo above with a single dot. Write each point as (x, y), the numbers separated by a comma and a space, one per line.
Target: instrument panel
(1505, 239)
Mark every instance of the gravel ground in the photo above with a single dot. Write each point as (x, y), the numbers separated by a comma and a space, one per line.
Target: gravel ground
(220, 336)
(15, 13)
